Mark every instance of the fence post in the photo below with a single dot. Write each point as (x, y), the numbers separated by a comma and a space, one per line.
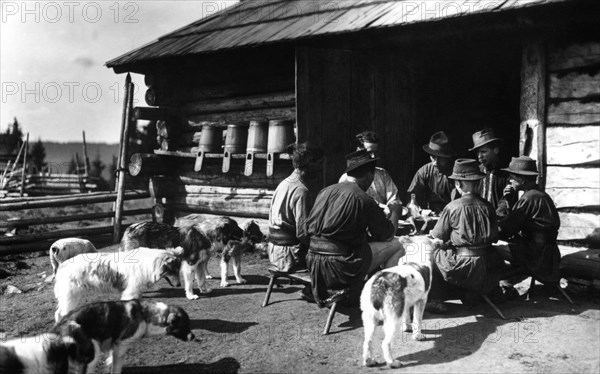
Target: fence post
(24, 165)
(122, 167)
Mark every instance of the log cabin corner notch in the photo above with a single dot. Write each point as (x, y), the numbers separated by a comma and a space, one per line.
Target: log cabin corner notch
(528, 69)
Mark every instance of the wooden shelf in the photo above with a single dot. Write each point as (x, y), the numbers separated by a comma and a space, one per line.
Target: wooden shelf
(160, 152)
(278, 156)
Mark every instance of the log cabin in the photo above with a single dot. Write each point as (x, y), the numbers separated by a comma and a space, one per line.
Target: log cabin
(530, 69)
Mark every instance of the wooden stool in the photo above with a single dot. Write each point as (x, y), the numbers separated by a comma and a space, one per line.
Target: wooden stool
(532, 283)
(304, 278)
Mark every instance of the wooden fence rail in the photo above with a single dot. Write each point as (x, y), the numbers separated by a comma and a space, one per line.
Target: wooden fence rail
(92, 198)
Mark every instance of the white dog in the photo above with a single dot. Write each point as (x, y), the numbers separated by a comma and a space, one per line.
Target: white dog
(46, 353)
(64, 249)
(390, 294)
(127, 273)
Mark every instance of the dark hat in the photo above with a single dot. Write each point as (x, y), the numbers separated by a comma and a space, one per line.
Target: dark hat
(466, 169)
(439, 145)
(483, 137)
(522, 165)
(358, 159)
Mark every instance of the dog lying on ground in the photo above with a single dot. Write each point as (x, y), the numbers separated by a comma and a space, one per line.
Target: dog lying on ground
(389, 295)
(46, 353)
(64, 249)
(114, 325)
(129, 274)
(195, 244)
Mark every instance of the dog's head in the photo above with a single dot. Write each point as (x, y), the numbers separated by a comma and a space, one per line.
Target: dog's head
(168, 320)
(252, 232)
(71, 351)
(170, 266)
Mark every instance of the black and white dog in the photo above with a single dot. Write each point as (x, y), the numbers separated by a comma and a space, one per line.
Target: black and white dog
(129, 274)
(114, 325)
(195, 244)
(389, 295)
(64, 249)
(227, 239)
(47, 353)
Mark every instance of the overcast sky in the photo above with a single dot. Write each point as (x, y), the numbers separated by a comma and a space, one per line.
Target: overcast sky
(52, 56)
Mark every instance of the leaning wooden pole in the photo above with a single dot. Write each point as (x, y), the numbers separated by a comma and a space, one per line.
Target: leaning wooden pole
(86, 159)
(24, 165)
(122, 167)
(16, 160)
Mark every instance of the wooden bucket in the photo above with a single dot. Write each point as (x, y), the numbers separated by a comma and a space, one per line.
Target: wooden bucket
(235, 140)
(281, 134)
(257, 137)
(211, 138)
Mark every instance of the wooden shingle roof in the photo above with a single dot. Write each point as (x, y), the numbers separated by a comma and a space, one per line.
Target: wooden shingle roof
(256, 22)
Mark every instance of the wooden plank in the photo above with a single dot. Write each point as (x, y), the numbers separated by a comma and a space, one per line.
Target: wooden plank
(533, 92)
(574, 56)
(572, 146)
(286, 113)
(70, 218)
(579, 226)
(574, 113)
(574, 197)
(72, 200)
(270, 100)
(575, 85)
(250, 206)
(572, 177)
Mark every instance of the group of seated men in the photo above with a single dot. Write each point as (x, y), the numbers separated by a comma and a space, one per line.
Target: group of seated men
(348, 231)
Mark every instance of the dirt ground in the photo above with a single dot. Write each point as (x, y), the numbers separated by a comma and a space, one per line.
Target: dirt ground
(543, 334)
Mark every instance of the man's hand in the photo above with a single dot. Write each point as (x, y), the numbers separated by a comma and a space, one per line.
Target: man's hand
(508, 190)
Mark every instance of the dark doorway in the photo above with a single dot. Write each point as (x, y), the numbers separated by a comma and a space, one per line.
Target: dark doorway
(464, 87)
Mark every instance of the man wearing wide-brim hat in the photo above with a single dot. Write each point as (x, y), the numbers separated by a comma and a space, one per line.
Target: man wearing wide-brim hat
(531, 227)
(469, 226)
(430, 184)
(350, 235)
(488, 149)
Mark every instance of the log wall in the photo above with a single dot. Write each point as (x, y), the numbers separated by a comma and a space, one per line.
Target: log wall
(225, 89)
(573, 139)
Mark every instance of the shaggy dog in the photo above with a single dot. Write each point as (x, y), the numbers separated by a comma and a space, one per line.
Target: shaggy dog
(114, 325)
(129, 274)
(64, 249)
(46, 353)
(390, 294)
(188, 236)
(227, 239)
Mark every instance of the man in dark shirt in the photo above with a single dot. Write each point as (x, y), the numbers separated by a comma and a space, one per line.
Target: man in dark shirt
(469, 227)
(350, 235)
(487, 147)
(531, 227)
(430, 184)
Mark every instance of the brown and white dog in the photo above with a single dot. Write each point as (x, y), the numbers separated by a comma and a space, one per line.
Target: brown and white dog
(128, 274)
(46, 353)
(228, 241)
(114, 325)
(195, 244)
(389, 295)
(64, 249)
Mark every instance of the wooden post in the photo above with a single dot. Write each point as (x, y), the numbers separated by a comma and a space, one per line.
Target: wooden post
(122, 167)
(86, 165)
(533, 105)
(79, 178)
(24, 165)
(4, 175)
(16, 160)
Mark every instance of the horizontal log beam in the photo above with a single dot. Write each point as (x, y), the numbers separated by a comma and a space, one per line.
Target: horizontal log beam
(72, 200)
(155, 114)
(574, 85)
(99, 230)
(574, 56)
(574, 197)
(286, 113)
(271, 100)
(220, 211)
(572, 145)
(572, 177)
(168, 187)
(579, 226)
(574, 113)
(70, 218)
